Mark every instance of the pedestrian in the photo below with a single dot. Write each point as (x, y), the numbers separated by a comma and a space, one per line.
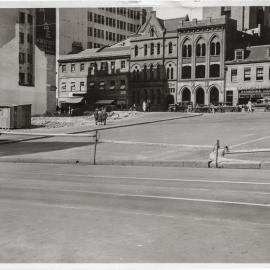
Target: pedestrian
(104, 116)
(99, 117)
(96, 115)
(144, 106)
(249, 106)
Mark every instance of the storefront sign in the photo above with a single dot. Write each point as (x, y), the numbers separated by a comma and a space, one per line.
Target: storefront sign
(253, 93)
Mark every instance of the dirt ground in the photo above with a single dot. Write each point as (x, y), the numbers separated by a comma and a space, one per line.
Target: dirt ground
(77, 121)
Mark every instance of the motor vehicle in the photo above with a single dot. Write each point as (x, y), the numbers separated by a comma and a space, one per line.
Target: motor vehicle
(262, 103)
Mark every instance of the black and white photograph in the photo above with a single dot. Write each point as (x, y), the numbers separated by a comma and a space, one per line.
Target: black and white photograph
(134, 134)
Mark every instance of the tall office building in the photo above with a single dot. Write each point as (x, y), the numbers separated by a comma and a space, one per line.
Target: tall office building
(87, 28)
(247, 17)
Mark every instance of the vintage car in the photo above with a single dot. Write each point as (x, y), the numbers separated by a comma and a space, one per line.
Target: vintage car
(262, 103)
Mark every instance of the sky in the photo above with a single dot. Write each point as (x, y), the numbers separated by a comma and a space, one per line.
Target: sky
(175, 11)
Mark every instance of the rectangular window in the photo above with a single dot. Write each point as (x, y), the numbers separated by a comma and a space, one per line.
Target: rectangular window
(72, 67)
(30, 58)
(29, 38)
(72, 86)
(239, 55)
(30, 19)
(95, 32)
(90, 16)
(21, 38)
(95, 17)
(21, 17)
(102, 20)
(123, 64)
(81, 67)
(21, 58)
(107, 21)
(123, 82)
(229, 98)
(90, 31)
(112, 65)
(247, 74)
(64, 68)
(29, 78)
(103, 66)
(21, 78)
(234, 75)
(63, 86)
(82, 88)
(259, 73)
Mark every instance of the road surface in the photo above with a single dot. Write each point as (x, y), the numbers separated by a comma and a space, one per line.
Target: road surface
(90, 214)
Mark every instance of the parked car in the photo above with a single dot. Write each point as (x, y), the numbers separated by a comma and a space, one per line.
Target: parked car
(263, 103)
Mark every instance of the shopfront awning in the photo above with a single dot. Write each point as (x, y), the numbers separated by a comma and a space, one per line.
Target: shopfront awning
(72, 100)
(122, 87)
(105, 102)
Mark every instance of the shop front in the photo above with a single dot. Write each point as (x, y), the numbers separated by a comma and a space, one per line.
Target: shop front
(244, 95)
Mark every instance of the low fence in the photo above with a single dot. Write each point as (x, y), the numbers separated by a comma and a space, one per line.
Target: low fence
(218, 154)
(48, 135)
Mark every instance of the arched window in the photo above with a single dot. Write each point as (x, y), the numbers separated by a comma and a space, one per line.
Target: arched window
(145, 72)
(158, 48)
(158, 71)
(186, 49)
(203, 49)
(171, 73)
(200, 48)
(134, 75)
(138, 74)
(170, 47)
(152, 48)
(218, 48)
(145, 49)
(152, 32)
(215, 47)
(168, 73)
(151, 72)
(136, 50)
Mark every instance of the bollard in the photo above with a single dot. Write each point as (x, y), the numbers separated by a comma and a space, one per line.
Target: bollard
(217, 148)
(95, 150)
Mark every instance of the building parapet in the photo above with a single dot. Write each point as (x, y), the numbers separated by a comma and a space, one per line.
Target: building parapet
(205, 23)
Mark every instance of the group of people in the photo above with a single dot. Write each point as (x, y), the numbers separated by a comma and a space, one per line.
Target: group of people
(100, 116)
(146, 106)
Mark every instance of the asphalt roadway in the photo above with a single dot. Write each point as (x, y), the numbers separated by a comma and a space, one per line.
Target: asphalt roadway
(89, 214)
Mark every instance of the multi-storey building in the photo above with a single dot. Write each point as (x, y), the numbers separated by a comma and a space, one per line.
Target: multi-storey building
(23, 65)
(170, 61)
(97, 27)
(95, 76)
(203, 47)
(248, 75)
(153, 62)
(247, 17)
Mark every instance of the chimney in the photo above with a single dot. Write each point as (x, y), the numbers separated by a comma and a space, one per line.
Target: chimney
(76, 47)
(153, 13)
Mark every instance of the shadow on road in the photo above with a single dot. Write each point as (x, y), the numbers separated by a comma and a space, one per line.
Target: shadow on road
(29, 147)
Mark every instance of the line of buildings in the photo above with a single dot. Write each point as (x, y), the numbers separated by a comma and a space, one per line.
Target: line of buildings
(222, 58)
(125, 56)
(32, 39)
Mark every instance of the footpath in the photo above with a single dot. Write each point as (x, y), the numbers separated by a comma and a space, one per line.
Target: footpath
(80, 150)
